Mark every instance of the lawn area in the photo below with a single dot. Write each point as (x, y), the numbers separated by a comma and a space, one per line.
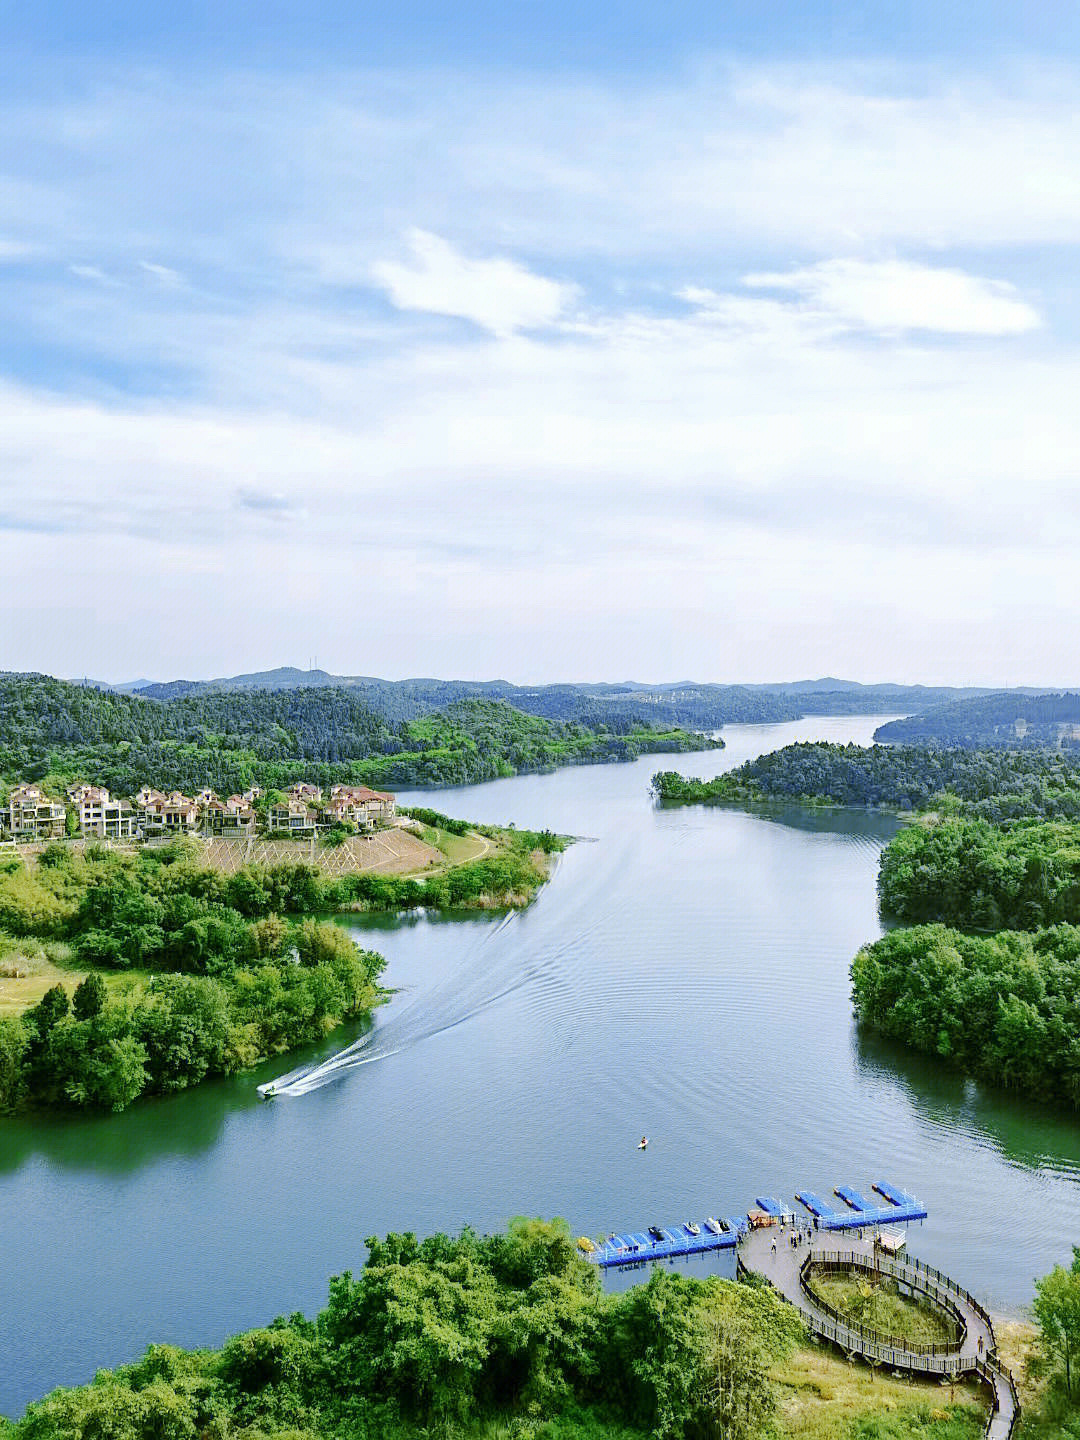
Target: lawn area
(458, 849)
(823, 1397)
(30, 967)
(877, 1305)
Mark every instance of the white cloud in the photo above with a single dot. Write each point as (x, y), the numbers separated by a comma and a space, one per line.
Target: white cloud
(95, 274)
(497, 294)
(897, 295)
(12, 251)
(164, 274)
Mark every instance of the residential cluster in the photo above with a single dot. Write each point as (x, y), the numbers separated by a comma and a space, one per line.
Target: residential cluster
(30, 814)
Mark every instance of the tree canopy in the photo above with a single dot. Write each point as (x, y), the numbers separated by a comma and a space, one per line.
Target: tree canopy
(454, 1331)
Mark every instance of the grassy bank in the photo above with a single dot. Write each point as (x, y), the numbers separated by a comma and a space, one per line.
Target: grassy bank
(876, 1304)
(29, 968)
(824, 1397)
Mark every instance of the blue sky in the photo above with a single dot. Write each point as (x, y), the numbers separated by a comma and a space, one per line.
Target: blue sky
(541, 341)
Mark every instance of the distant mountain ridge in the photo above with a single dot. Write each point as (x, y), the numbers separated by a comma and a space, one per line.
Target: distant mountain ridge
(689, 704)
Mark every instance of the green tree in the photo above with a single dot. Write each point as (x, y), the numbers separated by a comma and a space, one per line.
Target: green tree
(51, 1008)
(13, 1046)
(1057, 1309)
(89, 998)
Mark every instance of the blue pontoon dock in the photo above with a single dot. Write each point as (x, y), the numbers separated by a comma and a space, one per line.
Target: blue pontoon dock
(637, 1246)
(896, 1207)
(854, 1199)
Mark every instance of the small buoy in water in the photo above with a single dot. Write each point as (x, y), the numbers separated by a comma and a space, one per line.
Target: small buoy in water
(644, 1143)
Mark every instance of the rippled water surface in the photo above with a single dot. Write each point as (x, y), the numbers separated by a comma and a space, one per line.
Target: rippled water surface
(683, 975)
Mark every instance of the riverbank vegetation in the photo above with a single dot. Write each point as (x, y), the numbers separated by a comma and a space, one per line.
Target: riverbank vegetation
(977, 876)
(165, 971)
(54, 732)
(995, 856)
(996, 785)
(1004, 1008)
(500, 1336)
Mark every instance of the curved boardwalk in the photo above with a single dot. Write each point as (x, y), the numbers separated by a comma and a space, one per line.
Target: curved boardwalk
(768, 1252)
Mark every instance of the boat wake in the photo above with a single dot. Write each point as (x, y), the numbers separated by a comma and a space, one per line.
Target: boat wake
(522, 951)
(449, 1003)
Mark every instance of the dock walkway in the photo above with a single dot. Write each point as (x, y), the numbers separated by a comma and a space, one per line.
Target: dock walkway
(768, 1252)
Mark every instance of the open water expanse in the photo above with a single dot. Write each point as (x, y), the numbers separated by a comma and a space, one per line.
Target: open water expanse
(683, 975)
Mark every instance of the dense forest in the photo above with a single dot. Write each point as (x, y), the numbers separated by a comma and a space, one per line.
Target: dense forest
(453, 1335)
(1003, 1007)
(230, 740)
(1009, 718)
(977, 876)
(192, 972)
(995, 784)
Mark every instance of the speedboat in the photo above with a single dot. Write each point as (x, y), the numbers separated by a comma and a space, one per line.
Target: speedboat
(692, 1227)
(267, 1092)
(656, 1233)
(713, 1226)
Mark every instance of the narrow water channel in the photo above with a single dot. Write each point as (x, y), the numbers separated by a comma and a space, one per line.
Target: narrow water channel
(684, 975)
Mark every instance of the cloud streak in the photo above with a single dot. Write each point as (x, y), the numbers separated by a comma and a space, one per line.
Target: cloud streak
(896, 295)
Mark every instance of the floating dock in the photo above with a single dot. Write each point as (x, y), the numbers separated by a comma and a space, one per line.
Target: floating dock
(895, 1207)
(638, 1246)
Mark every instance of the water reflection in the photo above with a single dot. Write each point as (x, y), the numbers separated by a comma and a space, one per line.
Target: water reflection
(159, 1128)
(685, 978)
(1025, 1132)
(832, 820)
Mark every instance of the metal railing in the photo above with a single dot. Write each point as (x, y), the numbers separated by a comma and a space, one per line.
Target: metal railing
(990, 1372)
(947, 1362)
(853, 1260)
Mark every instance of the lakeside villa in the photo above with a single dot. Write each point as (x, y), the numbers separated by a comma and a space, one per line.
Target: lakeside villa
(30, 814)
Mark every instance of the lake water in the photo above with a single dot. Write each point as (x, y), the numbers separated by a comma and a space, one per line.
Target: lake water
(684, 975)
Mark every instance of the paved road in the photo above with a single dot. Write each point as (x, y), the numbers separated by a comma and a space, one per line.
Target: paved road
(768, 1252)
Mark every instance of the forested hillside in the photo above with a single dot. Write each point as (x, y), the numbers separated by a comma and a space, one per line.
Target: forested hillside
(1008, 718)
(976, 876)
(994, 784)
(230, 740)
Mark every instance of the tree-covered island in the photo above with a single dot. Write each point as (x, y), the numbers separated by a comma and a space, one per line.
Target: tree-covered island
(995, 783)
